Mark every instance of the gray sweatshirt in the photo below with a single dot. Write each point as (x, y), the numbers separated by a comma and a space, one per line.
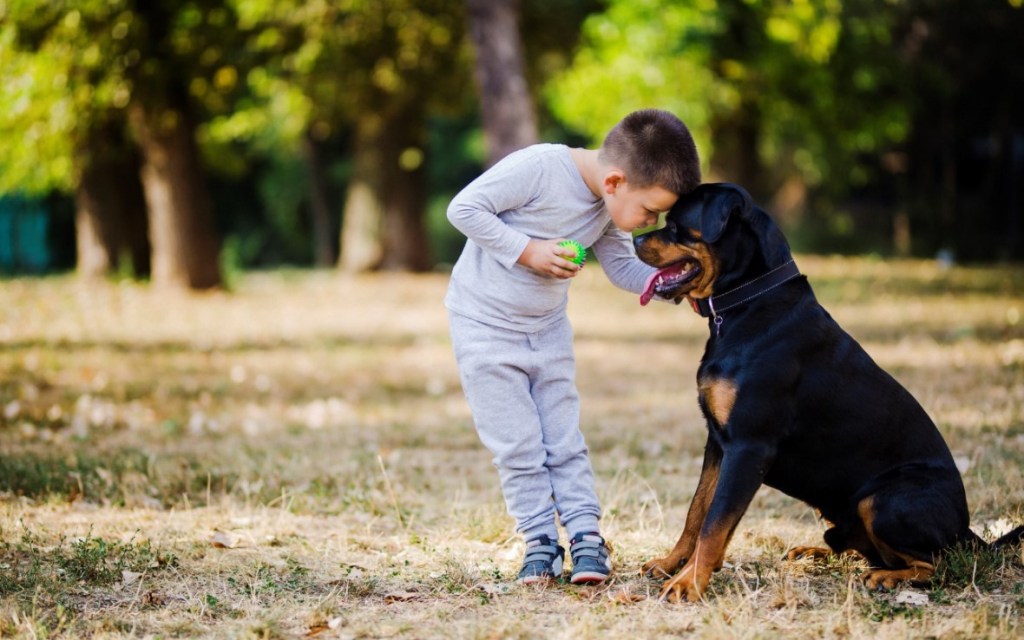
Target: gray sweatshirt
(538, 193)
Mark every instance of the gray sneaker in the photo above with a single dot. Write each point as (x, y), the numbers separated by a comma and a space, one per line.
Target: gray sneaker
(591, 559)
(543, 561)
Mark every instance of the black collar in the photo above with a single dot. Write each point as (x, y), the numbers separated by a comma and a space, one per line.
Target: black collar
(715, 305)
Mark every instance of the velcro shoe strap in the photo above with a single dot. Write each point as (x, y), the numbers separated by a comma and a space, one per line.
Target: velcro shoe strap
(541, 552)
(591, 548)
(587, 553)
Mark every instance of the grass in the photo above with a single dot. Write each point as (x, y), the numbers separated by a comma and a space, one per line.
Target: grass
(296, 458)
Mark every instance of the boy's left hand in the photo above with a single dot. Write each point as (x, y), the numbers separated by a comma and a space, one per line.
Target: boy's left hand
(547, 258)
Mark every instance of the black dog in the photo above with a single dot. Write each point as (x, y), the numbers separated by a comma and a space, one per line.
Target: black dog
(792, 401)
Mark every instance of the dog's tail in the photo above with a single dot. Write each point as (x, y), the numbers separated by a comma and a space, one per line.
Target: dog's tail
(1015, 537)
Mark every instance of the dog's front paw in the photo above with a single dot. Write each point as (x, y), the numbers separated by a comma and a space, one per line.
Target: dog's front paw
(660, 568)
(686, 586)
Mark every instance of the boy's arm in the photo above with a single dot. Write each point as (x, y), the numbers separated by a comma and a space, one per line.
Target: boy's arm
(474, 212)
(507, 186)
(614, 250)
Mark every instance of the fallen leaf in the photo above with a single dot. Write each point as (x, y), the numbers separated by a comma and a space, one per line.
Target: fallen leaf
(327, 625)
(913, 598)
(225, 540)
(495, 589)
(625, 596)
(401, 596)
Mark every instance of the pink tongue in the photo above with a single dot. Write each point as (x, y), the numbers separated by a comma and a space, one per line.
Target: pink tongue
(648, 291)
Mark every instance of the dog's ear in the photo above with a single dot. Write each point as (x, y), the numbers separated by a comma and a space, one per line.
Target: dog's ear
(721, 202)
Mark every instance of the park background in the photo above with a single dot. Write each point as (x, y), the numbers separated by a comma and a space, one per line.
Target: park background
(228, 406)
(174, 139)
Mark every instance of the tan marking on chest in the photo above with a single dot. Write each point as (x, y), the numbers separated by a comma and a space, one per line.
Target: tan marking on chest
(719, 397)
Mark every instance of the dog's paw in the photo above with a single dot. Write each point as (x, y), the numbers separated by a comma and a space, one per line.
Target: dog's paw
(686, 586)
(660, 568)
(814, 553)
(889, 579)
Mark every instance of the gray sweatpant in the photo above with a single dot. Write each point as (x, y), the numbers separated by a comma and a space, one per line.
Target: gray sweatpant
(522, 392)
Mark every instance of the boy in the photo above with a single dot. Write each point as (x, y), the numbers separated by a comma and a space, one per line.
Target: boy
(507, 300)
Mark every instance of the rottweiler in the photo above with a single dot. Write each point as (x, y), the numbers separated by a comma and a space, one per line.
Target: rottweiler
(794, 402)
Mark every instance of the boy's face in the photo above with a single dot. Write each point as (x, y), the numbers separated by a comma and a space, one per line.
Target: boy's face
(635, 208)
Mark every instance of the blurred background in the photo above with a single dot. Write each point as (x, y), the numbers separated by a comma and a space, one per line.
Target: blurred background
(183, 141)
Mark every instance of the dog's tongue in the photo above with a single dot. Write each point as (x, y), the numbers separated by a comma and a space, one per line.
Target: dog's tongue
(648, 291)
(669, 277)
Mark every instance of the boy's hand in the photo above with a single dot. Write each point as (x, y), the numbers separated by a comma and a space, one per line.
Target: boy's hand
(546, 258)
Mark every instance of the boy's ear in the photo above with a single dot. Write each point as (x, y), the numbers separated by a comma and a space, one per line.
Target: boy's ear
(721, 202)
(613, 179)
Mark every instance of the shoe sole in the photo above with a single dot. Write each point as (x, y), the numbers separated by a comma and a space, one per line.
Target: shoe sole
(588, 577)
(538, 580)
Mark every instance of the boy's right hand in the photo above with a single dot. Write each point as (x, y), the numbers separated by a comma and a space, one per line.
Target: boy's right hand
(546, 258)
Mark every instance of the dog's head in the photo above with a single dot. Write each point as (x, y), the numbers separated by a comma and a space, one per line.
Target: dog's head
(714, 237)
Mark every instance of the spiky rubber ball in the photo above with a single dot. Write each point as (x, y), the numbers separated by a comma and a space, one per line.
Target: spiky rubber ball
(581, 252)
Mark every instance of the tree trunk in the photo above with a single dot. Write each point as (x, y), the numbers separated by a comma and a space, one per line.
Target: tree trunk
(506, 106)
(185, 246)
(110, 216)
(319, 209)
(736, 156)
(382, 226)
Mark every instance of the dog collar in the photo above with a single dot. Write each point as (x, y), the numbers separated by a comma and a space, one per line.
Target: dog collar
(714, 306)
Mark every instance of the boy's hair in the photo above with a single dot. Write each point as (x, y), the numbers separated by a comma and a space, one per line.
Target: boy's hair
(653, 148)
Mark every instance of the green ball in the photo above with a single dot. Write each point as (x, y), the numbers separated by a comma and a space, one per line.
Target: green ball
(581, 252)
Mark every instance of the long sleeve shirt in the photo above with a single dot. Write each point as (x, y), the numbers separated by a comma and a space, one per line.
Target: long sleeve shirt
(537, 193)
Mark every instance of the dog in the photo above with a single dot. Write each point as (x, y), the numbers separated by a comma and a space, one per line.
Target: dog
(793, 402)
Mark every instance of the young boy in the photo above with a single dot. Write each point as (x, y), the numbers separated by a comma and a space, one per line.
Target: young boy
(507, 300)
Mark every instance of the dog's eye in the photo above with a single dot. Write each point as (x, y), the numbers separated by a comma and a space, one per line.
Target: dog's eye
(671, 226)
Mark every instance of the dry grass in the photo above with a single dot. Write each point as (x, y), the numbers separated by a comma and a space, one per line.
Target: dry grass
(297, 458)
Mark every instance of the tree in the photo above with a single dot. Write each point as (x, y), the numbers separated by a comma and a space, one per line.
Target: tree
(65, 130)
(111, 228)
(373, 70)
(162, 62)
(506, 103)
(861, 118)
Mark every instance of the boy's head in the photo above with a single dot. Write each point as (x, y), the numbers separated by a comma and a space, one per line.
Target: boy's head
(649, 159)
(653, 147)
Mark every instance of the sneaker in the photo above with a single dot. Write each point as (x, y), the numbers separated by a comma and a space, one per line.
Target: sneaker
(543, 560)
(591, 559)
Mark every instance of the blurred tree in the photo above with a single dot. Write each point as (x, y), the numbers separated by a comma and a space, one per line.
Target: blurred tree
(748, 76)
(111, 229)
(862, 116)
(375, 69)
(962, 165)
(64, 124)
(86, 67)
(506, 103)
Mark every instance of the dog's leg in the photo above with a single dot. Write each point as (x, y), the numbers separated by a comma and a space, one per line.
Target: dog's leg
(844, 539)
(909, 521)
(900, 566)
(665, 567)
(743, 468)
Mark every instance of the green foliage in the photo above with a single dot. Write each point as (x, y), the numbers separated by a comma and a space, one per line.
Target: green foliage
(69, 67)
(89, 476)
(647, 53)
(813, 78)
(969, 565)
(29, 565)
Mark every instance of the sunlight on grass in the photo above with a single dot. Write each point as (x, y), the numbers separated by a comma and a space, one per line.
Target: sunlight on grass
(296, 457)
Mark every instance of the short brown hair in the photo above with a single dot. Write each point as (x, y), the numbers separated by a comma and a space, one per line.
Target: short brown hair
(654, 147)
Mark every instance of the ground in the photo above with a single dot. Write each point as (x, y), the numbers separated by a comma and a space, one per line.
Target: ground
(296, 458)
